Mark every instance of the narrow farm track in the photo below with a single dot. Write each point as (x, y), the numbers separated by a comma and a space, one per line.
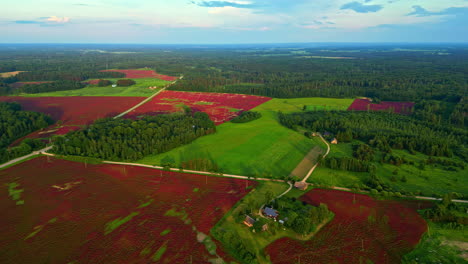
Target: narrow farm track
(260, 179)
(34, 153)
(147, 99)
(191, 171)
(316, 164)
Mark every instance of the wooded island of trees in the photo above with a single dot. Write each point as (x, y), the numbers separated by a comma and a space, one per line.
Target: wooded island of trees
(129, 140)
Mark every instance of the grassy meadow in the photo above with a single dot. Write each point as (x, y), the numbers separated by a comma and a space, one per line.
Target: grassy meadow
(139, 89)
(432, 180)
(262, 148)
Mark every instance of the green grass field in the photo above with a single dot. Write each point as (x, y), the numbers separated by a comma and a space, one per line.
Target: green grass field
(261, 148)
(431, 180)
(139, 89)
(440, 245)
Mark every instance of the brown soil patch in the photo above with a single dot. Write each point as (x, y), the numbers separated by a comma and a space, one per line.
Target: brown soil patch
(307, 163)
(9, 74)
(463, 246)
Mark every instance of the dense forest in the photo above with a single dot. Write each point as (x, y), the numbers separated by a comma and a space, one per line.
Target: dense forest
(16, 123)
(406, 73)
(385, 131)
(126, 139)
(51, 87)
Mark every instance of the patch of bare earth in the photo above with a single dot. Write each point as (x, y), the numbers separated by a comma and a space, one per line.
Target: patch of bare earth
(9, 74)
(463, 246)
(308, 162)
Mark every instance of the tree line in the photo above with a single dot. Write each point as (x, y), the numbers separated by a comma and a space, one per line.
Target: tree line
(384, 131)
(129, 140)
(379, 72)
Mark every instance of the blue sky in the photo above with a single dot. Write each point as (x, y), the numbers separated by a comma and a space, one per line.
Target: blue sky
(233, 21)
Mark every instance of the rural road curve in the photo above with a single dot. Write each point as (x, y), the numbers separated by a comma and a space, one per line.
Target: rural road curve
(147, 99)
(316, 164)
(34, 153)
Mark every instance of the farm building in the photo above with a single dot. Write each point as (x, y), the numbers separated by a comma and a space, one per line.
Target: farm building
(301, 186)
(249, 221)
(334, 141)
(270, 212)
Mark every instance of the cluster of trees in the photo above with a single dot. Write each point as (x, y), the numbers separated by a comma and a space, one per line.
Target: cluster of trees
(233, 242)
(385, 131)
(126, 139)
(16, 123)
(26, 146)
(448, 163)
(348, 164)
(246, 116)
(125, 82)
(448, 212)
(51, 87)
(439, 112)
(302, 217)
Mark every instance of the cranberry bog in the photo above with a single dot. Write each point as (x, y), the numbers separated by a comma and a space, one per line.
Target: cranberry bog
(221, 107)
(68, 212)
(136, 74)
(395, 107)
(363, 229)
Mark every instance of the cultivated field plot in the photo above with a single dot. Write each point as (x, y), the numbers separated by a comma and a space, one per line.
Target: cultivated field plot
(142, 87)
(262, 147)
(221, 107)
(74, 112)
(143, 73)
(67, 212)
(363, 230)
(395, 107)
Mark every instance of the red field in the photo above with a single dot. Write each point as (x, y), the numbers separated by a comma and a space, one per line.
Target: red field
(363, 229)
(221, 107)
(136, 74)
(93, 82)
(75, 111)
(73, 212)
(395, 107)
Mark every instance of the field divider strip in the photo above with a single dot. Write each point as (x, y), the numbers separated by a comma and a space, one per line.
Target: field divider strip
(148, 99)
(316, 164)
(192, 171)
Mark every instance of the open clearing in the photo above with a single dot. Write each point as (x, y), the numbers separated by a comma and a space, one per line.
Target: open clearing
(261, 148)
(68, 212)
(430, 181)
(141, 88)
(9, 74)
(363, 230)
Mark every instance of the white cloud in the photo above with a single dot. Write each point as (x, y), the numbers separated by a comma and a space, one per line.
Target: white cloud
(55, 19)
